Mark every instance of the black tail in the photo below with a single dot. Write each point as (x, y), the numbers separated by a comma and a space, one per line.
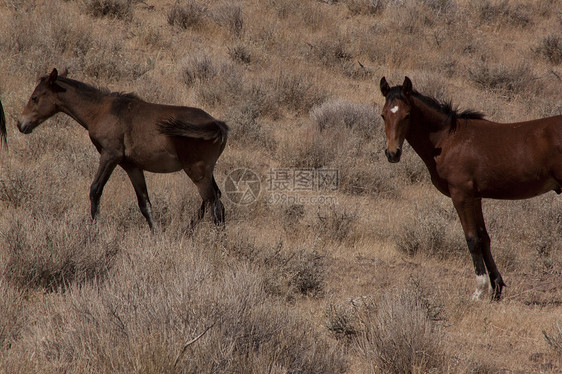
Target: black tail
(3, 140)
(213, 130)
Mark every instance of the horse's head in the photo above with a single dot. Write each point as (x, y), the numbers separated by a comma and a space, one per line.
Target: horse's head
(42, 104)
(396, 116)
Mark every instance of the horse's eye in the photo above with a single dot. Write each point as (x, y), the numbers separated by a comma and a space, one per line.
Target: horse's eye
(407, 116)
(35, 99)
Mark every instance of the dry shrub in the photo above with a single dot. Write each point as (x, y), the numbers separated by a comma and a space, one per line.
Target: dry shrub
(361, 118)
(240, 53)
(231, 17)
(509, 80)
(188, 15)
(539, 221)
(46, 35)
(335, 223)
(220, 81)
(216, 80)
(16, 187)
(50, 252)
(431, 228)
(198, 68)
(549, 48)
(399, 335)
(310, 148)
(554, 339)
(12, 314)
(368, 7)
(332, 50)
(343, 320)
(502, 12)
(286, 271)
(298, 92)
(246, 128)
(121, 9)
(142, 318)
(56, 35)
(412, 17)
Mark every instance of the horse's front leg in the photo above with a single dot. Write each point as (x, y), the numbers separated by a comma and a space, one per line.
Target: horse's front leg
(107, 164)
(469, 210)
(496, 281)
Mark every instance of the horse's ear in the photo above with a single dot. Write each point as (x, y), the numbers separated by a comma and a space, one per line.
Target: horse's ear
(407, 86)
(52, 82)
(52, 77)
(64, 73)
(384, 86)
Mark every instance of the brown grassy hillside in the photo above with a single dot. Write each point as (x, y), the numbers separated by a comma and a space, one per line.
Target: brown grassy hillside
(366, 273)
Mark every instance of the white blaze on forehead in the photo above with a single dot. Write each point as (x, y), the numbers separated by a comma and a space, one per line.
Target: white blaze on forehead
(394, 109)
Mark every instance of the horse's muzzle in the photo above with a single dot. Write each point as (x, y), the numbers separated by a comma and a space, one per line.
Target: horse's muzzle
(25, 128)
(393, 156)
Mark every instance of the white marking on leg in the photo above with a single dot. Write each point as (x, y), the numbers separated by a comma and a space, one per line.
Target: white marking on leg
(481, 285)
(394, 109)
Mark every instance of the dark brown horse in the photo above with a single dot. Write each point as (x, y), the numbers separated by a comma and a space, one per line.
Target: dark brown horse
(3, 141)
(137, 136)
(470, 158)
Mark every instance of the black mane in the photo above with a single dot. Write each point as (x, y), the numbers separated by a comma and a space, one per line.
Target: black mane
(442, 107)
(93, 91)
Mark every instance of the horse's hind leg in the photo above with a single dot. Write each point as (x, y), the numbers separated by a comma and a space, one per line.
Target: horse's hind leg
(218, 208)
(210, 194)
(496, 280)
(136, 176)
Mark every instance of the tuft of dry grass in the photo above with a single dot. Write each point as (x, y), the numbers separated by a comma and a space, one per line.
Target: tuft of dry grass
(122, 9)
(188, 15)
(550, 48)
(338, 113)
(554, 340)
(505, 79)
(431, 229)
(504, 12)
(54, 255)
(399, 335)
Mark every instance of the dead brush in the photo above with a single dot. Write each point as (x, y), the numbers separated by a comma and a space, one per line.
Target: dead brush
(12, 314)
(509, 80)
(549, 48)
(363, 119)
(230, 16)
(285, 271)
(432, 230)
(16, 187)
(121, 9)
(54, 253)
(142, 317)
(503, 12)
(398, 336)
(367, 7)
(188, 15)
(554, 339)
(335, 224)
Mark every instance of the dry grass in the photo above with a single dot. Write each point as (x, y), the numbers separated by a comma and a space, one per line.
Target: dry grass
(379, 282)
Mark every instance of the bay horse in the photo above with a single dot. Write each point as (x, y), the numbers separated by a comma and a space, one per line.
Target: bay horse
(137, 136)
(470, 158)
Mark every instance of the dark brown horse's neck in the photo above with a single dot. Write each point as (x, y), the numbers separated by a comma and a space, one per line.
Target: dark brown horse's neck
(81, 106)
(428, 129)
